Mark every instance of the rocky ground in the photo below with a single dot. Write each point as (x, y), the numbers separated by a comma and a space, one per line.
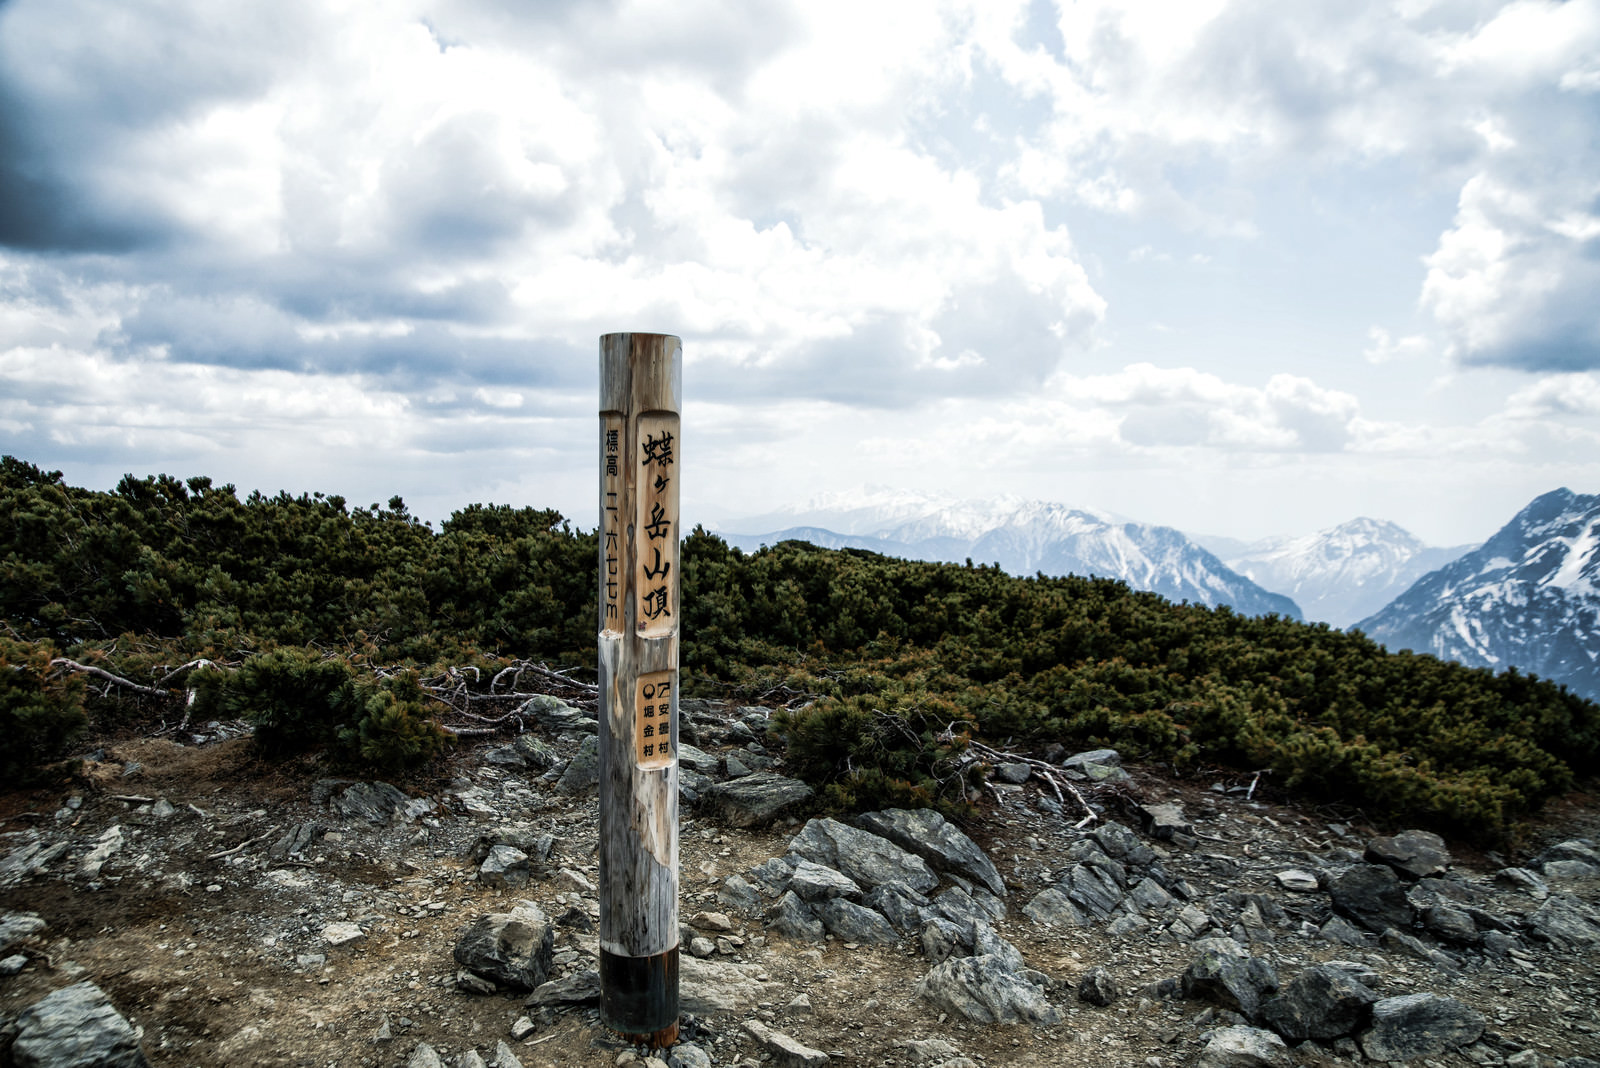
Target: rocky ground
(222, 911)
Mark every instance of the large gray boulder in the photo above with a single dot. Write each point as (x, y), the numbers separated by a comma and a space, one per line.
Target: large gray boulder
(865, 857)
(557, 717)
(851, 922)
(374, 802)
(815, 882)
(512, 948)
(1413, 854)
(757, 799)
(1419, 1025)
(1371, 895)
(937, 841)
(76, 1027)
(1321, 1003)
(1224, 973)
(986, 989)
(583, 770)
(1566, 922)
(1243, 1047)
(793, 918)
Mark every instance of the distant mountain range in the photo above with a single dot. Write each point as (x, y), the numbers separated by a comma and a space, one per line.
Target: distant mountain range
(1529, 597)
(1342, 574)
(1024, 537)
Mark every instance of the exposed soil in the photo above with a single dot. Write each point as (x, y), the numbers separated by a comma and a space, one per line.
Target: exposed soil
(218, 952)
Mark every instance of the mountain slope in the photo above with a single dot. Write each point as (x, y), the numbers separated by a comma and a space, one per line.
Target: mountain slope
(1344, 573)
(1025, 537)
(1529, 598)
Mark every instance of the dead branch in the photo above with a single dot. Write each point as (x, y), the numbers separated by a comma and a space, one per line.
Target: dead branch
(1043, 770)
(102, 673)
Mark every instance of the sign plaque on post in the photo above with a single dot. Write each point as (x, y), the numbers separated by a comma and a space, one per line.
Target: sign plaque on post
(641, 396)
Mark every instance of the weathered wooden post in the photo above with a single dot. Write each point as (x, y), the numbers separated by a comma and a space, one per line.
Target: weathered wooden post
(641, 394)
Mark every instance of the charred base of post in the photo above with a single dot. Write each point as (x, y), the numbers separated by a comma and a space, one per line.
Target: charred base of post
(639, 996)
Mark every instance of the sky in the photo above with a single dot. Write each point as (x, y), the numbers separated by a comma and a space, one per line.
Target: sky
(1243, 268)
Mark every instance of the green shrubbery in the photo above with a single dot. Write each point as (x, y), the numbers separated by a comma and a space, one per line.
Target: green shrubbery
(41, 709)
(300, 700)
(907, 658)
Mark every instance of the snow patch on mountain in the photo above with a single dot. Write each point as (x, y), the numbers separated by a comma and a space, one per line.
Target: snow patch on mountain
(1343, 573)
(1024, 537)
(1528, 598)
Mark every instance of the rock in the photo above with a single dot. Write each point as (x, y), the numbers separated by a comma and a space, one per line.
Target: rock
(899, 904)
(814, 882)
(1147, 896)
(583, 771)
(773, 874)
(1565, 921)
(424, 1056)
(18, 927)
(1419, 1025)
(688, 1055)
(1301, 882)
(851, 922)
(505, 868)
(758, 798)
(697, 760)
(1222, 972)
(536, 752)
(930, 836)
(715, 922)
(1570, 871)
(785, 1051)
(1097, 987)
(735, 768)
(865, 857)
(800, 1005)
(570, 879)
(1097, 765)
(296, 841)
(1338, 929)
(526, 838)
(1393, 938)
(791, 917)
(1413, 854)
(512, 948)
(342, 934)
(1120, 843)
(1091, 889)
(1523, 879)
(558, 717)
(1243, 1047)
(522, 1027)
(1571, 850)
(1370, 894)
(13, 965)
(961, 909)
(1051, 905)
(985, 990)
(75, 1027)
(1321, 1002)
(28, 860)
(108, 844)
(471, 1059)
(941, 939)
(702, 946)
(1191, 922)
(1451, 924)
(738, 894)
(504, 1056)
(577, 988)
(1016, 774)
(472, 983)
(706, 986)
(1165, 821)
(504, 756)
(374, 802)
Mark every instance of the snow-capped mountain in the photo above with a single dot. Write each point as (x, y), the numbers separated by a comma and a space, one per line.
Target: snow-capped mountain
(1529, 597)
(1344, 573)
(1025, 537)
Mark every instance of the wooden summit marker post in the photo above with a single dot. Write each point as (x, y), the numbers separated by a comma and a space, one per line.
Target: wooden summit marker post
(641, 394)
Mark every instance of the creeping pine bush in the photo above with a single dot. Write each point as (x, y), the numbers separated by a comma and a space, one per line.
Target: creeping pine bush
(41, 712)
(300, 700)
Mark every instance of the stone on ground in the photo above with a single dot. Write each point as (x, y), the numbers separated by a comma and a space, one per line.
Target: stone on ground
(985, 990)
(758, 798)
(1412, 854)
(1371, 895)
(1243, 1047)
(865, 857)
(1322, 1003)
(1419, 1025)
(786, 1052)
(937, 841)
(512, 948)
(75, 1027)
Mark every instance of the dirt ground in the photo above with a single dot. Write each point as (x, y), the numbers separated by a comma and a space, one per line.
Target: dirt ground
(221, 954)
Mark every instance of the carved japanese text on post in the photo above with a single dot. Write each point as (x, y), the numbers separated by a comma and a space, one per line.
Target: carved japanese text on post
(613, 432)
(656, 523)
(652, 720)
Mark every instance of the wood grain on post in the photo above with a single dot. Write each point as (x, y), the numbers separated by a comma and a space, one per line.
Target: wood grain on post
(641, 396)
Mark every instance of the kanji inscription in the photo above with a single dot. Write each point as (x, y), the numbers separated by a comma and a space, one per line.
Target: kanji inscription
(612, 434)
(656, 523)
(652, 720)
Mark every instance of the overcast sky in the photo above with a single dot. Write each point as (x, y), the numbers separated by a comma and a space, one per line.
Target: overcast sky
(1243, 268)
